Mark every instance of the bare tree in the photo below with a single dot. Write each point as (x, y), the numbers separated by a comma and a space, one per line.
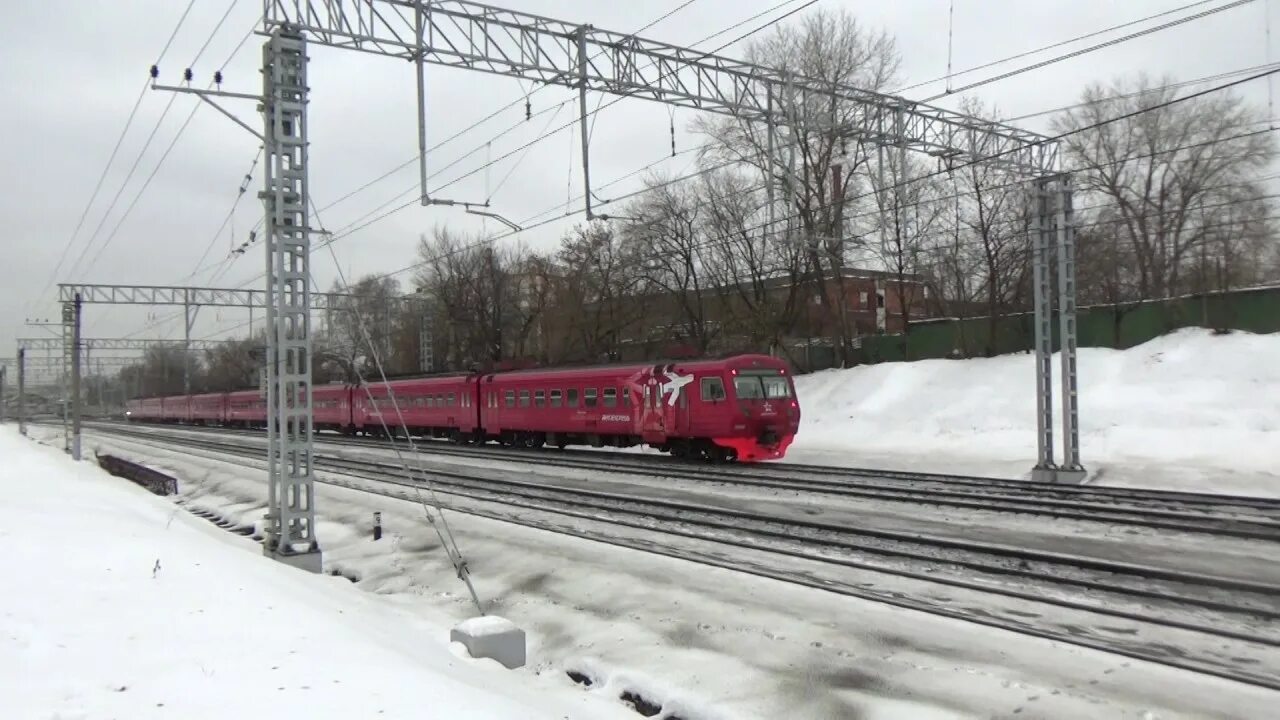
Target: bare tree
(476, 288)
(757, 275)
(911, 203)
(667, 235)
(992, 213)
(819, 174)
(360, 331)
(233, 365)
(1152, 175)
(599, 289)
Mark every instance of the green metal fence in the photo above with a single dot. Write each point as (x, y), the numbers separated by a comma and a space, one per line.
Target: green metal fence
(1121, 326)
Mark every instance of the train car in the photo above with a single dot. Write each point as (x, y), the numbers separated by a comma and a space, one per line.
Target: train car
(559, 407)
(246, 408)
(175, 409)
(148, 410)
(208, 409)
(331, 407)
(741, 408)
(442, 407)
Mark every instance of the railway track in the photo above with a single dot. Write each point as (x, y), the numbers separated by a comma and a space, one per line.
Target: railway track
(1252, 518)
(1217, 625)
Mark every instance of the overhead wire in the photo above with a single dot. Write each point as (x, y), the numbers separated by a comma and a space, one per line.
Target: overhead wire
(160, 162)
(525, 95)
(730, 28)
(412, 188)
(443, 531)
(1053, 46)
(941, 233)
(337, 236)
(905, 183)
(112, 157)
(555, 108)
(231, 56)
(240, 192)
(1091, 48)
(641, 191)
(1076, 53)
(571, 124)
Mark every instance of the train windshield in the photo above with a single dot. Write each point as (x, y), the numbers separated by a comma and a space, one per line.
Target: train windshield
(761, 387)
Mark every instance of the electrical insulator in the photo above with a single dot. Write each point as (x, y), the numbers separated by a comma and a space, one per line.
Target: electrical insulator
(186, 74)
(217, 78)
(528, 109)
(155, 72)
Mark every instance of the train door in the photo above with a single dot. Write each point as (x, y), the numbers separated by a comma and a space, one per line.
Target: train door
(653, 418)
(710, 414)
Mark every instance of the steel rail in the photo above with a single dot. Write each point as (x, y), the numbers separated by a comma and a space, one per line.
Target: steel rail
(378, 472)
(1038, 499)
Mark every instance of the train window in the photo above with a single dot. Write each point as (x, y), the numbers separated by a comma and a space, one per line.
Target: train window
(539, 398)
(626, 397)
(511, 398)
(589, 397)
(572, 399)
(712, 389)
(453, 399)
(555, 398)
(439, 399)
(524, 398)
(776, 387)
(610, 397)
(747, 388)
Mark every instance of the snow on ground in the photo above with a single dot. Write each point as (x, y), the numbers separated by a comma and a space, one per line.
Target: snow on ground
(1190, 410)
(118, 604)
(707, 643)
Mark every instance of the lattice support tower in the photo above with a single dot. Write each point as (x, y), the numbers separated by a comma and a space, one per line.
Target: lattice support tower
(22, 391)
(1053, 247)
(68, 350)
(1071, 469)
(290, 532)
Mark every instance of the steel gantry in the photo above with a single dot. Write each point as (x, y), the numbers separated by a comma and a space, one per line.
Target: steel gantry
(474, 36)
(287, 301)
(120, 344)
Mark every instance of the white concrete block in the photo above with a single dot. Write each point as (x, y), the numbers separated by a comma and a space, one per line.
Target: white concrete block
(493, 637)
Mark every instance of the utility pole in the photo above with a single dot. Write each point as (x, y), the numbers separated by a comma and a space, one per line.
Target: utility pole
(2, 398)
(75, 380)
(22, 391)
(582, 119)
(68, 351)
(290, 533)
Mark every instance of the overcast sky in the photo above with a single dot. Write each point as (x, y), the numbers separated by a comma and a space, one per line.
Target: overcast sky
(71, 70)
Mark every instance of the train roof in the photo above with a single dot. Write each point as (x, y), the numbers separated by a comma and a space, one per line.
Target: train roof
(732, 362)
(735, 362)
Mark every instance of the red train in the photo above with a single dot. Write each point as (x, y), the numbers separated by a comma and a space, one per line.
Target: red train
(741, 408)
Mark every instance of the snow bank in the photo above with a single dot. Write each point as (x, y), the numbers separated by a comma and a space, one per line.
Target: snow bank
(117, 603)
(1190, 409)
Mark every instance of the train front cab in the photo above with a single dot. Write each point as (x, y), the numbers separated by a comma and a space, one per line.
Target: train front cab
(756, 402)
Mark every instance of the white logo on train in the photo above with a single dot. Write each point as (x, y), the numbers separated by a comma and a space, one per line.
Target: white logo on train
(674, 382)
